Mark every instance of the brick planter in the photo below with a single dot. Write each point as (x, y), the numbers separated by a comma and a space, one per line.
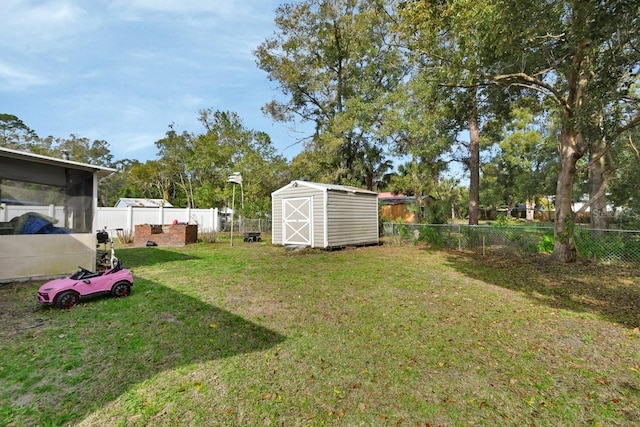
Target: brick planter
(165, 235)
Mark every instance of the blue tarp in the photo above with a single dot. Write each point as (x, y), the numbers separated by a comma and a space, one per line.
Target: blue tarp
(34, 223)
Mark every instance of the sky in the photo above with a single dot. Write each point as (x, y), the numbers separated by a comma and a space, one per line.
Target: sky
(124, 70)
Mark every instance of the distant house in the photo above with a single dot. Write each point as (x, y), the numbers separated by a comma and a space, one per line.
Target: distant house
(395, 207)
(125, 202)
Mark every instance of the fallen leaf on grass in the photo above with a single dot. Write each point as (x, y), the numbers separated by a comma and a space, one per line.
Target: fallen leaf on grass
(271, 396)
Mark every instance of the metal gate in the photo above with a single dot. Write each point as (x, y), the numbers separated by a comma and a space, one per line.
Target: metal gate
(297, 222)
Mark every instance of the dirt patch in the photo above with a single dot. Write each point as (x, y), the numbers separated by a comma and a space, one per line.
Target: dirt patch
(19, 310)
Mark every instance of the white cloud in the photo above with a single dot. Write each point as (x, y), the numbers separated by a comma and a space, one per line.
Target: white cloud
(124, 70)
(15, 79)
(222, 8)
(41, 25)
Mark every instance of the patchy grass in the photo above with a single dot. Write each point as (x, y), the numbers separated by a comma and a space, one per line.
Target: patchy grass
(252, 335)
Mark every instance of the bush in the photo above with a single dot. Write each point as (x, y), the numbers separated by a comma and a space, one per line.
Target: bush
(608, 246)
(439, 237)
(207, 236)
(125, 236)
(546, 244)
(628, 219)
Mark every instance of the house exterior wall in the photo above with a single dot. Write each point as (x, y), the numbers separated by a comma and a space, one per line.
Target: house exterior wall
(352, 219)
(35, 256)
(398, 212)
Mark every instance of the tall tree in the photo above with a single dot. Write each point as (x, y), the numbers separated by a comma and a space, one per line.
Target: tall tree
(416, 125)
(624, 189)
(521, 163)
(13, 132)
(228, 146)
(176, 152)
(580, 54)
(193, 168)
(446, 41)
(334, 64)
(82, 149)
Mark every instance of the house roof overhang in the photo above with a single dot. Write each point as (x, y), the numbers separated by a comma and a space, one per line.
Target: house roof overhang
(36, 168)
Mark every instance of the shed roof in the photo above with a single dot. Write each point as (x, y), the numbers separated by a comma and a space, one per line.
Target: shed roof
(325, 187)
(399, 198)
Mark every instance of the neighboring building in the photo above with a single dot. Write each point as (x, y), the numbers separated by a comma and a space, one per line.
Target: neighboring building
(125, 202)
(324, 215)
(399, 207)
(47, 218)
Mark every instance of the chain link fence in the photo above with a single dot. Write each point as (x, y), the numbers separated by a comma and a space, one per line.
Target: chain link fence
(254, 225)
(602, 245)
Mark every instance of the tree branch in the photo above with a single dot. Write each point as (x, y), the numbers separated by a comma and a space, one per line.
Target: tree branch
(525, 80)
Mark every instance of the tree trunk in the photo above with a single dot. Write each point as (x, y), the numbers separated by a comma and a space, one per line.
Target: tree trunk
(417, 188)
(597, 187)
(474, 162)
(572, 148)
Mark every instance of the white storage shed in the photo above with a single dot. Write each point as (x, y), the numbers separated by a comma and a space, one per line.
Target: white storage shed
(323, 215)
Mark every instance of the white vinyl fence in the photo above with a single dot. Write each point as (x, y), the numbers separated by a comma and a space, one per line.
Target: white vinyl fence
(127, 218)
(7, 212)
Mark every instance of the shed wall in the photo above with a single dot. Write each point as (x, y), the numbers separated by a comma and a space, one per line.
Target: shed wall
(277, 235)
(352, 219)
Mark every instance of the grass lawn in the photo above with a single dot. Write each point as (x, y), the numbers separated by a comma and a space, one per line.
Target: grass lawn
(375, 336)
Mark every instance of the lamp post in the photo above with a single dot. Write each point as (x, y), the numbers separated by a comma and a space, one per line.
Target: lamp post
(235, 178)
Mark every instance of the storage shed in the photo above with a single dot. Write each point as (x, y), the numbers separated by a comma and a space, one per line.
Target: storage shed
(323, 215)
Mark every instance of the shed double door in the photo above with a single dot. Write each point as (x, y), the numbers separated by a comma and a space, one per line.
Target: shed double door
(297, 221)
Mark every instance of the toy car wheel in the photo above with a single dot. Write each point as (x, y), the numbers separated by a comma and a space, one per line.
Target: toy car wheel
(121, 289)
(67, 299)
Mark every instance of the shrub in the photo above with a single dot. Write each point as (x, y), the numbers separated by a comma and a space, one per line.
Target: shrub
(207, 236)
(125, 236)
(435, 236)
(546, 244)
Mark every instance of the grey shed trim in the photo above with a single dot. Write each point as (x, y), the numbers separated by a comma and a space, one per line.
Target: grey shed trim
(332, 215)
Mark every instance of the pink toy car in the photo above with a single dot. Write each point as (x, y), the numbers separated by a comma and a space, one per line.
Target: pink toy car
(65, 293)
